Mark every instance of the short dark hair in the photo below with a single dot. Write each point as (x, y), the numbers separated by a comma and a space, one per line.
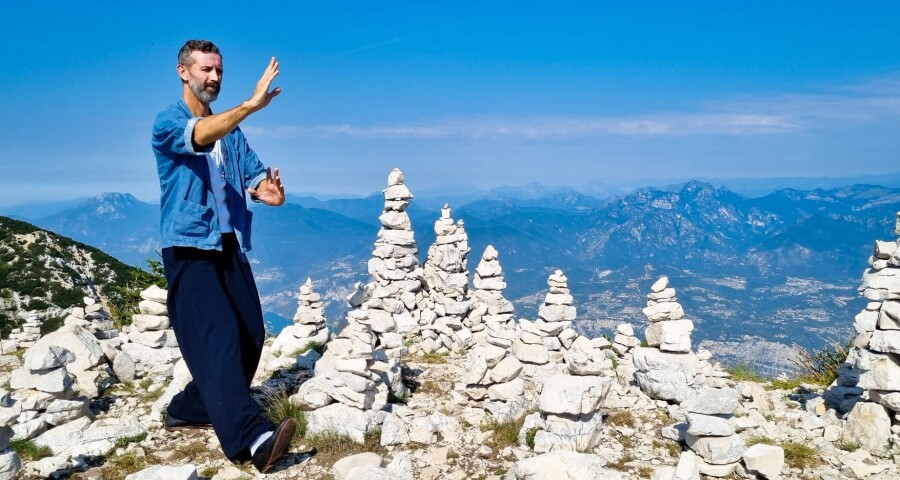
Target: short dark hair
(205, 46)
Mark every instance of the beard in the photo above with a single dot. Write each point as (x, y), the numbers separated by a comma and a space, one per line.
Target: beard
(207, 93)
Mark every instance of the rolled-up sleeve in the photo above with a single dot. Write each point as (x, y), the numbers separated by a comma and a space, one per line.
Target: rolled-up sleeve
(174, 134)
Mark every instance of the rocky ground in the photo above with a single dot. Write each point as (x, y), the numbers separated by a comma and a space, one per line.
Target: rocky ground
(637, 441)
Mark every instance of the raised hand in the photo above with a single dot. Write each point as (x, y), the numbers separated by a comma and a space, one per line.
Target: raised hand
(261, 95)
(271, 191)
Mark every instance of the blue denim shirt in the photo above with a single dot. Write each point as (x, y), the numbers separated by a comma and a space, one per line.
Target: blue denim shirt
(188, 208)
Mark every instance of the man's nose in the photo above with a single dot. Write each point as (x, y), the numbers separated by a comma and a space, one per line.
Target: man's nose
(215, 76)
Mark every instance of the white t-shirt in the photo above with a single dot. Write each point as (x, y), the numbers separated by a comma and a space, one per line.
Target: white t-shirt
(216, 162)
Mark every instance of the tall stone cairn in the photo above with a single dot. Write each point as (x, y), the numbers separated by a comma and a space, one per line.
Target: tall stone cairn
(543, 340)
(668, 330)
(443, 322)
(395, 293)
(873, 364)
(309, 323)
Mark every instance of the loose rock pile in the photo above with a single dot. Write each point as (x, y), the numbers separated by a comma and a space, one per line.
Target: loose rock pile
(444, 324)
(543, 340)
(492, 377)
(308, 330)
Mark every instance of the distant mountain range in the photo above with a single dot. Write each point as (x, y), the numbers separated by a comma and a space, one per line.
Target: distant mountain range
(756, 274)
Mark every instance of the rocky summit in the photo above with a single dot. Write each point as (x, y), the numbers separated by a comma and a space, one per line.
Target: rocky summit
(431, 379)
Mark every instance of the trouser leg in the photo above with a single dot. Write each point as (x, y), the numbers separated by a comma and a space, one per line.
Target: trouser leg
(209, 332)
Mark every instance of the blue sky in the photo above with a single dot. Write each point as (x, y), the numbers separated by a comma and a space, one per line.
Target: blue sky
(459, 93)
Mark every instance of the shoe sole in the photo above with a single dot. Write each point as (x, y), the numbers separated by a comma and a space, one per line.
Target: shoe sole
(188, 427)
(283, 439)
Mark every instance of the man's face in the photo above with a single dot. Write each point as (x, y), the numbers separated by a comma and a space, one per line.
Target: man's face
(204, 76)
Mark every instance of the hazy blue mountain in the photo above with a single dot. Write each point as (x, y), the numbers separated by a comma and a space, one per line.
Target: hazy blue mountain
(752, 272)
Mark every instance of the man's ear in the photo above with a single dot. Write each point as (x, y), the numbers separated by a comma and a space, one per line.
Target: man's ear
(183, 72)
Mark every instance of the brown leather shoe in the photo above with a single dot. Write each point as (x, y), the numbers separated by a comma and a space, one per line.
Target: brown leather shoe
(275, 446)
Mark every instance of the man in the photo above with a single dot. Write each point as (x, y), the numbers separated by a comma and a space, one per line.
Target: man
(206, 171)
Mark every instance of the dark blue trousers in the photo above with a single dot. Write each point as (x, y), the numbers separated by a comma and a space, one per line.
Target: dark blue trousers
(215, 312)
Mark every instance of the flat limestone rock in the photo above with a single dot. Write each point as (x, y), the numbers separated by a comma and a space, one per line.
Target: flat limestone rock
(78, 340)
(165, 472)
(765, 460)
(344, 420)
(717, 450)
(155, 294)
(573, 395)
(869, 425)
(561, 464)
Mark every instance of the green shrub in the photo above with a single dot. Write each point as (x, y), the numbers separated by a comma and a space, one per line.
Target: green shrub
(821, 366)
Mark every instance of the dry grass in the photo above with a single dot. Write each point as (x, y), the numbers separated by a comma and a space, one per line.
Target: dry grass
(506, 434)
(332, 447)
(119, 467)
(621, 417)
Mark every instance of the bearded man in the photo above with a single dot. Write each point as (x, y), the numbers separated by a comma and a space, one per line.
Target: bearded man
(206, 172)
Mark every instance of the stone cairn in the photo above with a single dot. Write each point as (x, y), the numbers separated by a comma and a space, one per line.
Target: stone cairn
(873, 365)
(668, 330)
(710, 431)
(29, 332)
(543, 340)
(667, 369)
(489, 307)
(444, 323)
(151, 347)
(42, 381)
(309, 329)
(94, 318)
(569, 416)
(390, 303)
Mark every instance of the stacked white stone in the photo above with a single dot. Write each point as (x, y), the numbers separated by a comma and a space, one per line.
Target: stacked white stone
(625, 341)
(492, 377)
(668, 330)
(309, 325)
(489, 307)
(152, 346)
(94, 318)
(344, 373)
(391, 301)
(543, 340)
(443, 322)
(10, 462)
(873, 364)
(569, 416)
(29, 333)
(710, 430)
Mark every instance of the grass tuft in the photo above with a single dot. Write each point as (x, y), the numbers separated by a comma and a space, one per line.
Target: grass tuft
(432, 358)
(506, 434)
(621, 417)
(332, 447)
(277, 406)
(29, 451)
(741, 372)
(529, 437)
(119, 467)
(847, 445)
(797, 455)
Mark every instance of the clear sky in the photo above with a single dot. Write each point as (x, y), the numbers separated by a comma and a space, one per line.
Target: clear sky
(469, 93)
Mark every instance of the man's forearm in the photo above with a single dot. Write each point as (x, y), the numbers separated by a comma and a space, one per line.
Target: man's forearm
(214, 127)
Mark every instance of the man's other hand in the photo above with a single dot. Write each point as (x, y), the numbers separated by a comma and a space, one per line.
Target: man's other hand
(270, 191)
